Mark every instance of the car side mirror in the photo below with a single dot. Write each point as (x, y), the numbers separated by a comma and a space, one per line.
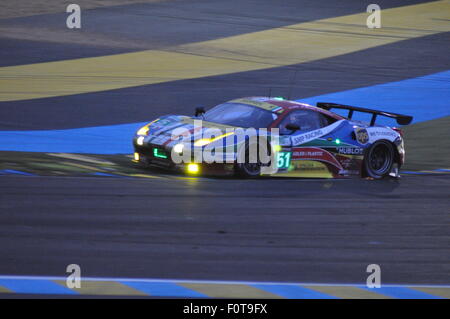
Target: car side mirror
(199, 111)
(292, 127)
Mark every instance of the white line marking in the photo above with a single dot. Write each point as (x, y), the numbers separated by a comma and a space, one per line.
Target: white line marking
(81, 158)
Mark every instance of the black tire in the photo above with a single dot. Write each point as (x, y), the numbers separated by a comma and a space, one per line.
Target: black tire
(247, 168)
(379, 159)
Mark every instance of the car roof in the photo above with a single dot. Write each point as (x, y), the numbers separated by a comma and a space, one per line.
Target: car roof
(280, 105)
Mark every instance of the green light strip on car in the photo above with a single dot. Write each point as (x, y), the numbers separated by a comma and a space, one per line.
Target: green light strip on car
(159, 153)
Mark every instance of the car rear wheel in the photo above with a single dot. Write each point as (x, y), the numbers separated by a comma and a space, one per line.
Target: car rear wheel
(379, 159)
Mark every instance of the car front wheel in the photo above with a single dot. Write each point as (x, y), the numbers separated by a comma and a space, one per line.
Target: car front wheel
(249, 165)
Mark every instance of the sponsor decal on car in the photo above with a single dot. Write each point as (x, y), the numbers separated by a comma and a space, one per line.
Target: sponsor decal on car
(302, 138)
(310, 166)
(307, 153)
(314, 153)
(350, 150)
(385, 133)
(362, 136)
(306, 137)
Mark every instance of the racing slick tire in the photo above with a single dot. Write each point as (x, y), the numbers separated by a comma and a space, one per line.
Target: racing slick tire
(249, 165)
(379, 159)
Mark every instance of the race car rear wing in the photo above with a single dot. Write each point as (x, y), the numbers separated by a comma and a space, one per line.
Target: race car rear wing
(401, 119)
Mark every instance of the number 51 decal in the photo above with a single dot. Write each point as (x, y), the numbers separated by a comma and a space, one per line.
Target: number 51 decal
(284, 160)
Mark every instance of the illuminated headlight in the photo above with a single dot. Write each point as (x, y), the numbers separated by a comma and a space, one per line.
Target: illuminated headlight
(178, 148)
(140, 140)
(136, 156)
(193, 168)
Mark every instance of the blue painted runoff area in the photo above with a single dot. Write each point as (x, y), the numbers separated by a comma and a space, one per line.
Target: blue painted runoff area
(293, 291)
(106, 174)
(175, 288)
(414, 173)
(15, 172)
(425, 98)
(401, 292)
(110, 139)
(36, 286)
(163, 289)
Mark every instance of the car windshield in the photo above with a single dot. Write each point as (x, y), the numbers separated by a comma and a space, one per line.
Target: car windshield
(241, 115)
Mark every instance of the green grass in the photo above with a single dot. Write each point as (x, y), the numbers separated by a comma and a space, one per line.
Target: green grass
(428, 145)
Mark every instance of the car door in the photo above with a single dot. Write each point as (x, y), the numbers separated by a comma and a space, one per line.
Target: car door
(308, 153)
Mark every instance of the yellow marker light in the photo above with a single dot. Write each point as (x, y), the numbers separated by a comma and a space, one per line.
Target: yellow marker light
(178, 148)
(277, 148)
(143, 130)
(193, 168)
(202, 142)
(136, 156)
(206, 141)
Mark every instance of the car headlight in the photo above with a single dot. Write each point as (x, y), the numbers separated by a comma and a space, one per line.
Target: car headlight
(178, 148)
(140, 140)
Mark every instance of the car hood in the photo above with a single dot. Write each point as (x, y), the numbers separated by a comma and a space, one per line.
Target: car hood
(173, 129)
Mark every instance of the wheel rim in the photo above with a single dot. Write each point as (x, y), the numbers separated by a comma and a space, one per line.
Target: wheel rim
(380, 159)
(252, 165)
(252, 168)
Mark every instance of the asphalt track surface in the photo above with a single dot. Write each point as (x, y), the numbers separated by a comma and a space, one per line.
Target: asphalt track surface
(227, 229)
(321, 231)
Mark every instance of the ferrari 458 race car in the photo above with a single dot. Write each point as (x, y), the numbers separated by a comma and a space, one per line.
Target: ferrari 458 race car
(257, 136)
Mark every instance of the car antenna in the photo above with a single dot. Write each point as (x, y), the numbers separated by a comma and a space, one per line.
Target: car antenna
(270, 92)
(292, 84)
